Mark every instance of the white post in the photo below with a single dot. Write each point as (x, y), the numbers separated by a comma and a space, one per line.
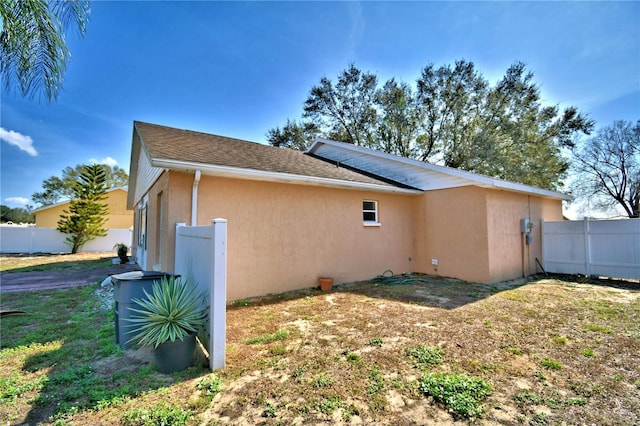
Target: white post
(178, 252)
(218, 295)
(31, 232)
(542, 244)
(587, 247)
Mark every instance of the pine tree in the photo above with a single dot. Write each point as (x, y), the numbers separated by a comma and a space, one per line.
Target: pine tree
(85, 219)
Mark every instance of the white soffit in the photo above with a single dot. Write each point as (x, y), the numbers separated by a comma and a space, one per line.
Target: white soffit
(408, 174)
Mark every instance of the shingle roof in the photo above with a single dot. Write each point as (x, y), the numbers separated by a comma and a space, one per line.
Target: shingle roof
(167, 143)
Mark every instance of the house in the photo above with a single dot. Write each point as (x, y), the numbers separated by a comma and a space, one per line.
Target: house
(119, 217)
(336, 210)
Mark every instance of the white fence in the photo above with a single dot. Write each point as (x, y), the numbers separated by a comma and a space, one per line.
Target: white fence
(29, 239)
(201, 256)
(609, 248)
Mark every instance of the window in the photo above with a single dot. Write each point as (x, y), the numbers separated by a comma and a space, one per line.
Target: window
(370, 213)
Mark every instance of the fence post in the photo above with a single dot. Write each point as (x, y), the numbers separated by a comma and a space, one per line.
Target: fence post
(542, 244)
(218, 294)
(179, 248)
(587, 247)
(31, 232)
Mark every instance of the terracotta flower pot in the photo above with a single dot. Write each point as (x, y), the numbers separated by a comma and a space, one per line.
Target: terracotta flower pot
(325, 283)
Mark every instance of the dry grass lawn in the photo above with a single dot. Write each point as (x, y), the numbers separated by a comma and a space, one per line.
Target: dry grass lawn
(554, 352)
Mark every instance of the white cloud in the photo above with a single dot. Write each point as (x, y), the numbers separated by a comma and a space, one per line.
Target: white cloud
(18, 201)
(25, 143)
(106, 160)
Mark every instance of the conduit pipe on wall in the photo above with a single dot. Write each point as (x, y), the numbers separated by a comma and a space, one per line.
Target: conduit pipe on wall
(194, 199)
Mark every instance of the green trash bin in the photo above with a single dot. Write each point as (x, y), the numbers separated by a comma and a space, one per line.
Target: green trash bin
(126, 287)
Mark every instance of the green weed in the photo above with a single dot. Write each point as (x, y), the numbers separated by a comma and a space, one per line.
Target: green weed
(327, 405)
(375, 341)
(210, 385)
(158, 414)
(376, 382)
(560, 340)
(597, 328)
(322, 381)
(463, 395)
(526, 397)
(268, 338)
(588, 353)
(270, 410)
(551, 364)
(425, 356)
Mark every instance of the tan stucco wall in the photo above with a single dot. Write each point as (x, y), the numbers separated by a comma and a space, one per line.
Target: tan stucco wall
(118, 217)
(511, 257)
(474, 233)
(283, 237)
(450, 226)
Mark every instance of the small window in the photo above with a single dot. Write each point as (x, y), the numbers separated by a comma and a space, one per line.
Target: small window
(370, 212)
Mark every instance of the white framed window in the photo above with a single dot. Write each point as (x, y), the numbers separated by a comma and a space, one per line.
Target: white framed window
(370, 213)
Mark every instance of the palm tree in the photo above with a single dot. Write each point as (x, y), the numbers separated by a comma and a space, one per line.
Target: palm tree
(33, 50)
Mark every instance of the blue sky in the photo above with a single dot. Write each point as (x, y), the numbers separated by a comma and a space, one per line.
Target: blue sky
(240, 68)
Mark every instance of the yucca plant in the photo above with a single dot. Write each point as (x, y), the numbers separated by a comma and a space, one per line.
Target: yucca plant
(172, 311)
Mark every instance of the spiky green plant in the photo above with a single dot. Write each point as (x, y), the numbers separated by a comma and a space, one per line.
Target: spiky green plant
(172, 311)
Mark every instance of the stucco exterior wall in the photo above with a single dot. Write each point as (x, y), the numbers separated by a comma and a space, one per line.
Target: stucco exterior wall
(510, 256)
(283, 237)
(118, 217)
(451, 226)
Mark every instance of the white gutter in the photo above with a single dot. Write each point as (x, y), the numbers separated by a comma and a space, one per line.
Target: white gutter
(194, 199)
(252, 174)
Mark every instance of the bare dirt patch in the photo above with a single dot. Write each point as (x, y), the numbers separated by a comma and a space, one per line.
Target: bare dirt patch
(45, 272)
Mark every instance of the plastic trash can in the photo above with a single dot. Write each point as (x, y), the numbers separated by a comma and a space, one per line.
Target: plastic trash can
(126, 287)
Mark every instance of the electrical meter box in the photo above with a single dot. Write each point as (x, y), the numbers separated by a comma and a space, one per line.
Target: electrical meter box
(526, 225)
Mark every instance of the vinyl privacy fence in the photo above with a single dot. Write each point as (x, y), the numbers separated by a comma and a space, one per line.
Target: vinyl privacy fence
(609, 248)
(201, 256)
(29, 239)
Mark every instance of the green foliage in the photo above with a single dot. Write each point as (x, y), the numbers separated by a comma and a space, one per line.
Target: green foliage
(375, 341)
(210, 385)
(540, 419)
(425, 356)
(589, 353)
(322, 381)
(268, 338)
(453, 117)
(56, 189)
(328, 405)
(270, 410)
(525, 397)
(85, 219)
(597, 328)
(159, 414)
(376, 383)
(551, 364)
(463, 395)
(172, 311)
(33, 50)
(16, 215)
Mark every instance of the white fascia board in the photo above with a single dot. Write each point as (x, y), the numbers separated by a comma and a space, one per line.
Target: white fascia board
(252, 174)
(478, 180)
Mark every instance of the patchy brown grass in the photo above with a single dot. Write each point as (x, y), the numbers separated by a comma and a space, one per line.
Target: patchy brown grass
(553, 351)
(46, 261)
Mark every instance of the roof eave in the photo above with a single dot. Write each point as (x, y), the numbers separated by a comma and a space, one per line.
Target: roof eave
(261, 175)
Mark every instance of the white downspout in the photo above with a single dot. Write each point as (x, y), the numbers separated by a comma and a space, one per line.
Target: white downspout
(194, 199)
